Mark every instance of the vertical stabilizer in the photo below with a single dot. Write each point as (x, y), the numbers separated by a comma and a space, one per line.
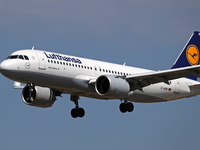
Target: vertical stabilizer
(190, 54)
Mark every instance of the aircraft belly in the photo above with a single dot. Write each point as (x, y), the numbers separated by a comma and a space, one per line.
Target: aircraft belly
(154, 93)
(162, 92)
(140, 98)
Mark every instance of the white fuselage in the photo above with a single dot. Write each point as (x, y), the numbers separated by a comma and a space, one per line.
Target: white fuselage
(72, 75)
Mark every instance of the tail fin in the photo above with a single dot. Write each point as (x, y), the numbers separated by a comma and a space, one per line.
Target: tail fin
(190, 54)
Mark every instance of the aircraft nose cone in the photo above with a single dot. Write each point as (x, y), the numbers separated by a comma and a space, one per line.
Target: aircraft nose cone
(1, 67)
(4, 66)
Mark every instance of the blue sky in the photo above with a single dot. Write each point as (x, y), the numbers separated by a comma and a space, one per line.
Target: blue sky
(147, 34)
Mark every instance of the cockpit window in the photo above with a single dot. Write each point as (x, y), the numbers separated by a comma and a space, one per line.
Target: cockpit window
(21, 57)
(13, 57)
(26, 57)
(18, 56)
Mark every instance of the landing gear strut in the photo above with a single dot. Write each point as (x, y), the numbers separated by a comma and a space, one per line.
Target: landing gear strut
(76, 112)
(126, 106)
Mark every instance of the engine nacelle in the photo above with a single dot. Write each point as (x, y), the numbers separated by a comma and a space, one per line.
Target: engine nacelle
(112, 87)
(38, 96)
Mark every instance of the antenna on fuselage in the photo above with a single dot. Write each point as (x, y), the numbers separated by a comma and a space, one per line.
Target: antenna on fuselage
(33, 48)
(124, 64)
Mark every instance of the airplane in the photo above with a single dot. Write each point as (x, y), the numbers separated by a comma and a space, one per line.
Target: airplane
(47, 75)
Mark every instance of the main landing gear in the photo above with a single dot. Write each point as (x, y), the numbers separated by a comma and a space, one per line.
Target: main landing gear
(80, 112)
(76, 112)
(126, 106)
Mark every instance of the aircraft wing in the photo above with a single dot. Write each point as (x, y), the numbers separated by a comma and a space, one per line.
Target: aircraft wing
(138, 81)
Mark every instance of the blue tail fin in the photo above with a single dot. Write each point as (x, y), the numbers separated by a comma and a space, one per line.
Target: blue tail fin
(190, 54)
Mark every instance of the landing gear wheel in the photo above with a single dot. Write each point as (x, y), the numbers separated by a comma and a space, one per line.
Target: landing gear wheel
(74, 113)
(77, 112)
(129, 107)
(81, 112)
(122, 107)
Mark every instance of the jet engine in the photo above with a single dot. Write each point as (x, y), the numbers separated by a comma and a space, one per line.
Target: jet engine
(112, 87)
(38, 96)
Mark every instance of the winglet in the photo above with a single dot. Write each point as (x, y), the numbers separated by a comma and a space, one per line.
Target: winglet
(190, 54)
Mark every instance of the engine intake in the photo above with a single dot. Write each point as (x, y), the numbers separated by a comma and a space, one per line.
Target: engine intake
(38, 96)
(112, 87)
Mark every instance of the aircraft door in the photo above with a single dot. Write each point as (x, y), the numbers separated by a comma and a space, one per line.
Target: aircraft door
(42, 63)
